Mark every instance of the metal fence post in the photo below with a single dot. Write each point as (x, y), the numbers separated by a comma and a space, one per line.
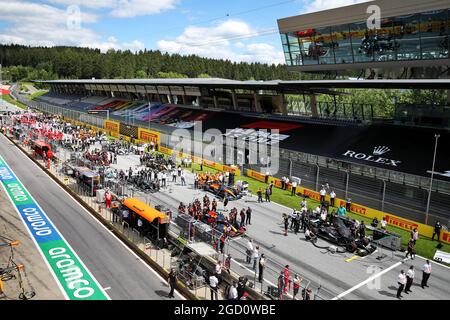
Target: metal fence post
(384, 195)
(317, 177)
(290, 168)
(347, 178)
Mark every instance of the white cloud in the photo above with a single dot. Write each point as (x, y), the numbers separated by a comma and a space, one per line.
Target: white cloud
(319, 5)
(133, 8)
(50, 26)
(265, 53)
(94, 4)
(124, 8)
(221, 42)
(113, 43)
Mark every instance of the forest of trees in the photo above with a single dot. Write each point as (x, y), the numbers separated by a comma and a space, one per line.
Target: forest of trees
(28, 63)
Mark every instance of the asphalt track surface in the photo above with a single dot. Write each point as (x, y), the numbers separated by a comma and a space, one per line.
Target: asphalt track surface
(123, 275)
(331, 272)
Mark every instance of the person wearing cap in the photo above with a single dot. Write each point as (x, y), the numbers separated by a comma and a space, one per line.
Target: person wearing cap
(437, 231)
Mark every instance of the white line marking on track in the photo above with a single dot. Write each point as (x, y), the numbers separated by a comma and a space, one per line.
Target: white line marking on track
(432, 261)
(107, 288)
(101, 224)
(379, 274)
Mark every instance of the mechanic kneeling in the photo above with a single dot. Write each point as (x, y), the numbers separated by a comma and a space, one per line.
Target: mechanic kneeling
(310, 236)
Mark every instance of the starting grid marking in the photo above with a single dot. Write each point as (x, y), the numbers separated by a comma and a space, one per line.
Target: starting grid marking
(75, 281)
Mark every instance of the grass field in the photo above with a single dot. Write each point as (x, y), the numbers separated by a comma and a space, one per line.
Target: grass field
(424, 247)
(37, 94)
(9, 99)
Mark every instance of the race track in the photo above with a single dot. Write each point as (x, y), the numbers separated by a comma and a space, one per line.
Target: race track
(121, 273)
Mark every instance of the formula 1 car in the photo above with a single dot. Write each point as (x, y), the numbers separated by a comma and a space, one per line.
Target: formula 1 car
(222, 225)
(340, 233)
(222, 191)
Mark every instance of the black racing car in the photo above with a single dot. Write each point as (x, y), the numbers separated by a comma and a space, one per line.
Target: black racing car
(340, 233)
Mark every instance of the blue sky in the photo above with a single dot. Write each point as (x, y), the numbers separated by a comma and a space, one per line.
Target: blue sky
(232, 29)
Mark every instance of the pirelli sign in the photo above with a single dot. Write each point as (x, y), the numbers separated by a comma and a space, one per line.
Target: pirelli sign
(112, 126)
(355, 208)
(149, 136)
(401, 223)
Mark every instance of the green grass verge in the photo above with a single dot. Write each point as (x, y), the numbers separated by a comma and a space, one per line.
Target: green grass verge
(424, 247)
(37, 94)
(10, 99)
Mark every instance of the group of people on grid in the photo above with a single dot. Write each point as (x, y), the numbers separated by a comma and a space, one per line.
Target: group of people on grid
(202, 178)
(201, 210)
(406, 280)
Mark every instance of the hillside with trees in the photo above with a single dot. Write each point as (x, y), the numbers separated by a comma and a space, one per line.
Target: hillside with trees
(28, 63)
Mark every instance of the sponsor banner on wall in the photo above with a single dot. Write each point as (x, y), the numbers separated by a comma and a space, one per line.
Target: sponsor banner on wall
(445, 236)
(165, 150)
(256, 175)
(231, 169)
(378, 155)
(149, 136)
(112, 126)
(277, 184)
(213, 165)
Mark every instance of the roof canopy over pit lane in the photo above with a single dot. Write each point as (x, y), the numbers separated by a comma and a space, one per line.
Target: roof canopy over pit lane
(312, 86)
